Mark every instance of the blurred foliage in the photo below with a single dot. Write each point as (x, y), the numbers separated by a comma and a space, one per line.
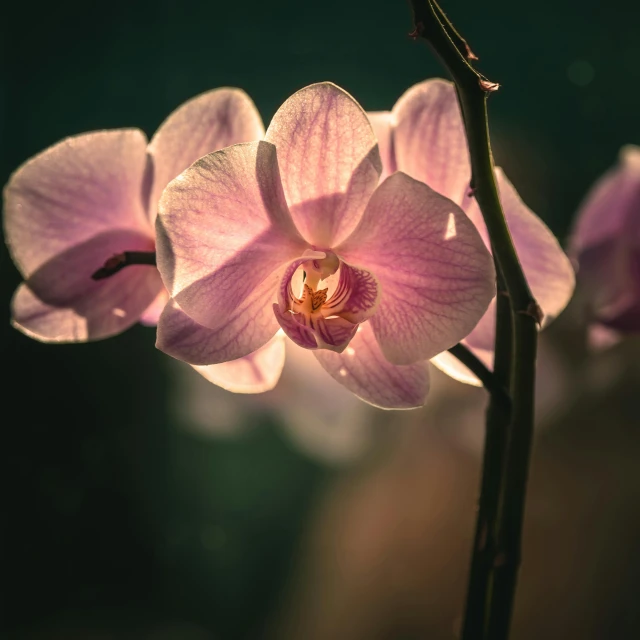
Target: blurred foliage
(116, 522)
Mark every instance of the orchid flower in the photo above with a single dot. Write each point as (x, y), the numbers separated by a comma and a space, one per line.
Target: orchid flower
(93, 198)
(606, 245)
(424, 137)
(294, 232)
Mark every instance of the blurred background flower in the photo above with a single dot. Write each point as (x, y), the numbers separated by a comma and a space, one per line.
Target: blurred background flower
(606, 246)
(124, 519)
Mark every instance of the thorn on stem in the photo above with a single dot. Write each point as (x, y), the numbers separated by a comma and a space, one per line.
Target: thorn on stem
(534, 310)
(470, 55)
(487, 85)
(111, 266)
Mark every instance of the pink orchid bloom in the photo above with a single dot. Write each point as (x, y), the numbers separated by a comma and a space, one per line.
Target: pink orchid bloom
(294, 232)
(423, 136)
(93, 196)
(606, 245)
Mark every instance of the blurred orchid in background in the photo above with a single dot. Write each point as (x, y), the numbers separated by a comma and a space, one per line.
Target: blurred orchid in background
(424, 137)
(93, 197)
(606, 246)
(246, 236)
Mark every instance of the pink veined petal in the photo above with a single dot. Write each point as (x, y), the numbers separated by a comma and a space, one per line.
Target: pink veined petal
(73, 191)
(316, 332)
(301, 335)
(209, 122)
(182, 337)
(429, 140)
(356, 296)
(546, 266)
(152, 313)
(256, 373)
(363, 369)
(329, 161)
(223, 231)
(455, 369)
(382, 123)
(437, 277)
(61, 303)
(610, 208)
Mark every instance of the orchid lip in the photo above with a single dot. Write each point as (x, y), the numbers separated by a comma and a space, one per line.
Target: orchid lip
(329, 302)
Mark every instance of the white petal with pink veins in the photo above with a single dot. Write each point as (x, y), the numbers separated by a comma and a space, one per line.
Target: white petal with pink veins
(436, 276)
(209, 122)
(329, 161)
(223, 231)
(363, 369)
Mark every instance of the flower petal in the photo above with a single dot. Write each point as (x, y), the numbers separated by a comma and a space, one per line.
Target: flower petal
(436, 275)
(223, 231)
(546, 266)
(315, 332)
(329, 160)
(256, 373)
(356, 296)
(299, 333)
(610, 209)
(209, 122)
(152, 313)
(61, 303)
(363, 369)
(429, 139)
(182, 337)
(71, 192)
(450, 365)
(382, 123)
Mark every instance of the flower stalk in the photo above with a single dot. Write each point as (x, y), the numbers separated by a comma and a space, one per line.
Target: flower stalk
(509, 451)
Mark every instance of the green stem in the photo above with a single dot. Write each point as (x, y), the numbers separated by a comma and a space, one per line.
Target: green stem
(511, 516)
(497, 422)
(432, 25)
(497, 388)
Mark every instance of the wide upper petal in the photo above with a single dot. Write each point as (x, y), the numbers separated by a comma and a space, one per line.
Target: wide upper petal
(329, 161)
(363, 369)
(436, 275)
(206, 123)
(255, 373)
(61, 303)
(247, 329)
(71, 192)
(223, 230)
(429, 139)
(611, 206)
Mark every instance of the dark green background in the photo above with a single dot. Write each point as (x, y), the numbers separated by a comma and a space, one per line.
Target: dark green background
(104, 502)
